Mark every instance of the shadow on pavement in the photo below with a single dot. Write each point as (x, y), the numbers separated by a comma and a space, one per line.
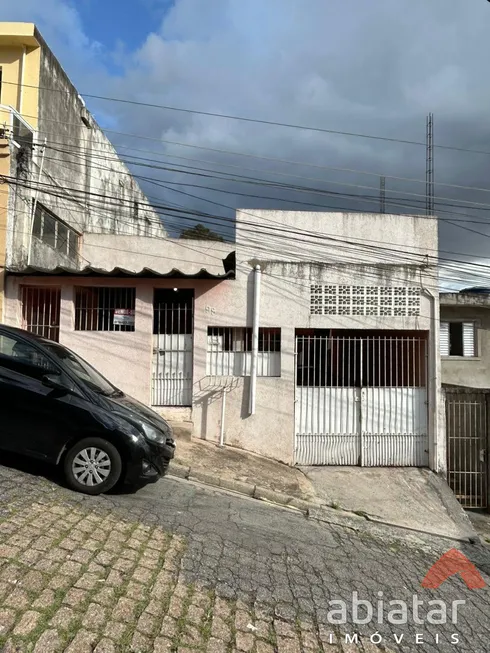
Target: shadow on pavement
(52, 473)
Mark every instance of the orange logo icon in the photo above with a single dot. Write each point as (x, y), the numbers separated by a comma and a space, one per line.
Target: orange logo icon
(451, 563)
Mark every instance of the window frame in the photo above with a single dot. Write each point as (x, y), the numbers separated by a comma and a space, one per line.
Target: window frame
(232, 349)
(102, 316)
(476, 348)
(38, 231)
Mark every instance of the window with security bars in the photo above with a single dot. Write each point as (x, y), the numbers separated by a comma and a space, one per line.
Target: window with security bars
(458, 339)
(50, 230)
(229, 351)
(104, 309)
(389, 301)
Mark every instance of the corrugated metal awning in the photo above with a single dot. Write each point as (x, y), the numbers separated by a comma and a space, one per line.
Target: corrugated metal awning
(120, 273)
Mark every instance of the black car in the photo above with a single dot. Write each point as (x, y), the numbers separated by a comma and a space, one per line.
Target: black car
(56, 407)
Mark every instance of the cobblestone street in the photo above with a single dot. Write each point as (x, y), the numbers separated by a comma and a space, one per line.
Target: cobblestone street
(177, 567)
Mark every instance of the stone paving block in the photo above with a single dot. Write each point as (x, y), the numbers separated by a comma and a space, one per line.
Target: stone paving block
(95, 617)
(244, 642)
(115, 630)
(162, 645)
(49, 642)
(7, 620)
(105, 645)
(125, 610)
(83, 642)
(216, 646)
(106, 596)
(75, 598)
(27, 623)
(140, 643)
(33, 581)
(64, 618)
(18, 599)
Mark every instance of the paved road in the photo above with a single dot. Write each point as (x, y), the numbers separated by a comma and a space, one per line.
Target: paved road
(277, 568)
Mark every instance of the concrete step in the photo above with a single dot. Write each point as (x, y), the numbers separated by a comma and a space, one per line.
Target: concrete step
(182, 430)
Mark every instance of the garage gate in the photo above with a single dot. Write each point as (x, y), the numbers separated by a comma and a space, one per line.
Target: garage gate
(361, 398)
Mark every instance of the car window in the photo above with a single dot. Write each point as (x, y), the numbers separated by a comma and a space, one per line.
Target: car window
(17, 354)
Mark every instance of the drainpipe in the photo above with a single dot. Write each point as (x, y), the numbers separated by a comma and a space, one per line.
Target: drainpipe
(34, 204)
(255, 339)
(21, 87)
(433, 368)
(223, 410)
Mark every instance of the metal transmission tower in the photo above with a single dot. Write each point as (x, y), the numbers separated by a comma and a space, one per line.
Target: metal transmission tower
(429, 167)
(382, 195)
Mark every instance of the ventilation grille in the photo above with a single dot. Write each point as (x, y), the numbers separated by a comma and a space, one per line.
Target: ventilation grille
(388, 301)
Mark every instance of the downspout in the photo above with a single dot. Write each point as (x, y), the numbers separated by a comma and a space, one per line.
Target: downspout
(255, 339)
(34, 204)
(223, 411)
(20, 96)
(433, 364)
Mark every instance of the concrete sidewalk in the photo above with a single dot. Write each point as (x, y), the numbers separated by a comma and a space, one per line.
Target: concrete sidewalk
(408, 497)
(405, 498)
(241, 471)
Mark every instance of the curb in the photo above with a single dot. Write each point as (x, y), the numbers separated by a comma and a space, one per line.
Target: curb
(311, 509)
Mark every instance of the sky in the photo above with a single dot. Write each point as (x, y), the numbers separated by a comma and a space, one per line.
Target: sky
(375, 68)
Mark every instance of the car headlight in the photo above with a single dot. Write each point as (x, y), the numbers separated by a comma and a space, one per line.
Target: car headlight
(143, 428)
(151, 433)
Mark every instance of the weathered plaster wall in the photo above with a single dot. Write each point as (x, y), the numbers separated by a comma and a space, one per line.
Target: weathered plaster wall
(468, 372)
(83, 181)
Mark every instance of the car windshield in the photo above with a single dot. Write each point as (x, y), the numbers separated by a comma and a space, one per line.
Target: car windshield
(82, 370)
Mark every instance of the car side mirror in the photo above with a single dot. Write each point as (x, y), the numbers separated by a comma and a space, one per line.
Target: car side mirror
(54, 382)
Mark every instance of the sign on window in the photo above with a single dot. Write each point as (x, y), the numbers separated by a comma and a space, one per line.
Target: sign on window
(123, 317)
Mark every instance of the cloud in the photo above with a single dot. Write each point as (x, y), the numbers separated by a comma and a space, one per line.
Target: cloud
(374, 67)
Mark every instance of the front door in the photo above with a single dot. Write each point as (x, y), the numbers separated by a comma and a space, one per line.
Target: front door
(172, 347)
(361, 399)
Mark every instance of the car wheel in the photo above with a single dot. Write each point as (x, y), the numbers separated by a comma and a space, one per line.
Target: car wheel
(92, 466)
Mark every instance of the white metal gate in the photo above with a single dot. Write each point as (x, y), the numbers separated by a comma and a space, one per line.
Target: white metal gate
(172, 348)
(361, 400)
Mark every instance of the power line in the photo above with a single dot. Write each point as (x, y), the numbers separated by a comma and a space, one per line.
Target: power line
(261, 121)
(165, 208)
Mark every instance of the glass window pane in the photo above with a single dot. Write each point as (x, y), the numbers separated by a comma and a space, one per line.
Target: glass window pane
(49, 230)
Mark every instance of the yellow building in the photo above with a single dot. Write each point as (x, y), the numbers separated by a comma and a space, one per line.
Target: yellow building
(60, 177)
(20, 57)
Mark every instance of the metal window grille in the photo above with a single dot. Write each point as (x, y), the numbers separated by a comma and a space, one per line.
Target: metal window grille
(229, 351)
(325, 360)
(364, 300)
(467, 447)
(53, 232)
(41, 311)
(104, 309)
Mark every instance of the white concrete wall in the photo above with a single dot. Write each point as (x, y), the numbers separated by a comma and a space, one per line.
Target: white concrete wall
(160, 254)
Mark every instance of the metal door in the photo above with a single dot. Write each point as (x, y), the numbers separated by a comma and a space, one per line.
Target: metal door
(361, 400)
(172, 348)
(41, 311)
(467, 446)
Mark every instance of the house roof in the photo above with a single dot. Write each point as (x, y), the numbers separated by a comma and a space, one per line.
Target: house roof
(121, 273)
